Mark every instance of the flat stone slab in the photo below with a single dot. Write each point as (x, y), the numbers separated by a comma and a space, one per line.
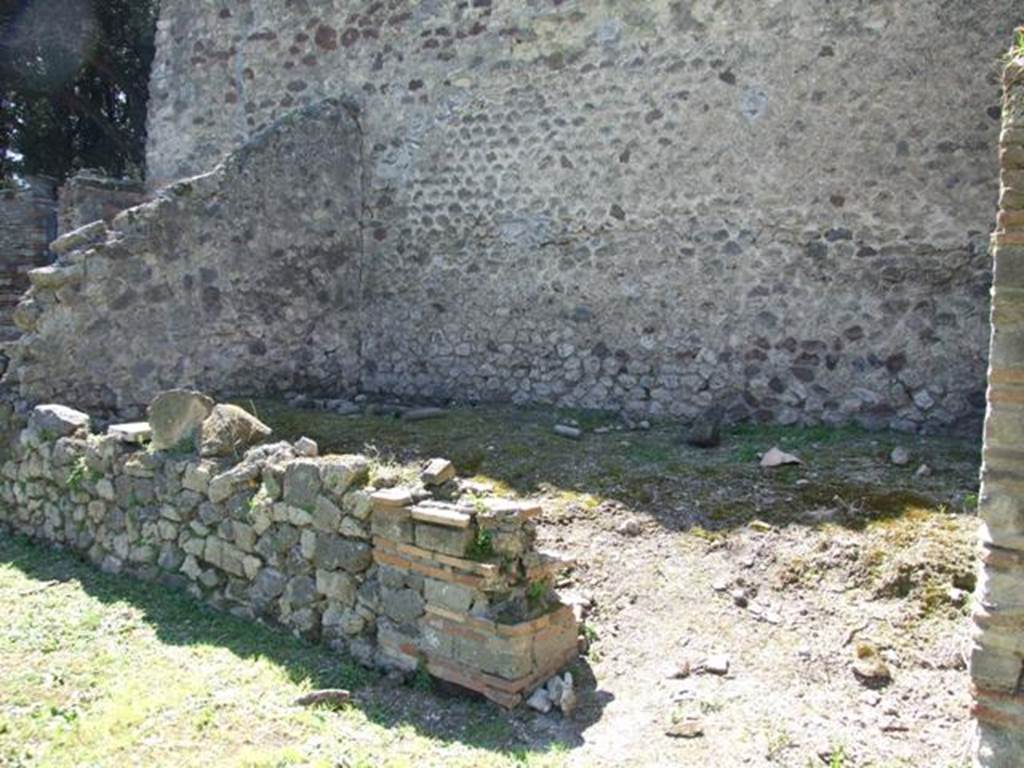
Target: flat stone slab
(58, 420)
(135, 432)
(448, 517)
(391, 498)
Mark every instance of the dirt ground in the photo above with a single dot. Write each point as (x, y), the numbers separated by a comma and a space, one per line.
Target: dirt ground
(685, 555)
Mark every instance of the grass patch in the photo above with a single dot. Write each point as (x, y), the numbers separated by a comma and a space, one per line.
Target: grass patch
(104, 670)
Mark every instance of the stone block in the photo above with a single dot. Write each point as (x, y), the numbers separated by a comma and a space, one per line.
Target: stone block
(443, 515)
(133, 433)
(403, 606)
(251, 566)
(340, 473)
(300, 592)
(268, 584)
(509, 658)
(357, 503)
(197, 477)
(437, 472)
(230, 431)
(434, 640)
(334, 552)
(453, 597)
(302, 483)
(450, 541)
(343, 619)
(353, 529)
(244, 535)
(551, 643)
(326, 515)
(392, 523)
(338, 586)
(53, 421)
(307, 544)
(391, 498)
(995, 669)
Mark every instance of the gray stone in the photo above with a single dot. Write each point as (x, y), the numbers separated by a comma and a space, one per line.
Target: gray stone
(437, 472)
(269, 584)
(540, 700)
(564, 430)
(404, 606)
(326, 515)
(340, 473)
(393, 524)
(53, 421)
(230, 431)
(900, 457)
(300, 592)
(302, 483)
(334, 552)
(304, 446)
(452, 597)
(133, 433)
(449, 541)
(175, 417)
(336, 585)
(706, 430)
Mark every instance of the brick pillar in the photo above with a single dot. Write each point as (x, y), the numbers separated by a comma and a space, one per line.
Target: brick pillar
(997, 658)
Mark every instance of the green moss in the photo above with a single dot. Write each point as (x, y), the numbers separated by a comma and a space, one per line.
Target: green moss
(481, 546)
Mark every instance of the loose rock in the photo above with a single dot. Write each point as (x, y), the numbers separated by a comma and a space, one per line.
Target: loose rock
(540, 701)
(706, 430)
(135, 433)
(307, 447)
(900, 457)
(437, 472)
(564, 430)
(630, 528)
(869, 666)
(685, 726)
(176, 416)
(229, 431)
(58, 420)
(778, 458)
(716, 665)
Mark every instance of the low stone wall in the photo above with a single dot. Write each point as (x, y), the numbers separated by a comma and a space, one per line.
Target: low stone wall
(398, 577)
(90, 196)
(997, 661)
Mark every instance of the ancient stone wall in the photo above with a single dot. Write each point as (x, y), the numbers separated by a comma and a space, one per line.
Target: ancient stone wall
(778, 206)
(394, 576)
(90, 196)
(997, 662)
(27, 225)
(245, 280)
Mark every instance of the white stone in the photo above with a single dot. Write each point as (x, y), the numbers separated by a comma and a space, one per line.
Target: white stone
(135, 433)
(778, 458)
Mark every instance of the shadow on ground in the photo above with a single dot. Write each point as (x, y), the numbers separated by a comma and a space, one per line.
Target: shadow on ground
(439, 712)
(846, 472)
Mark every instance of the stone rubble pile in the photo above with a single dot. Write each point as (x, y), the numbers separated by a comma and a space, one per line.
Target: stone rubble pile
(394, 576)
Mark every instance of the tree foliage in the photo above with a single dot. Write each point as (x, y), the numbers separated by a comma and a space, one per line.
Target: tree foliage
(74, 83)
